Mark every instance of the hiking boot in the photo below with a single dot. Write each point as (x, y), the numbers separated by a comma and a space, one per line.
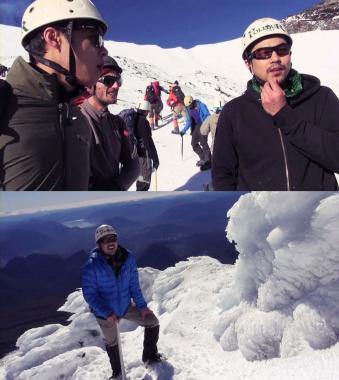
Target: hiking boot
(200, 163)
(150, 353)
(114, 358)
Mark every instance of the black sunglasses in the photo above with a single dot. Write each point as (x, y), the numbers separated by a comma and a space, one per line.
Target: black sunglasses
(109, 239)
(266, 52)
(96, 39)
(109, 80)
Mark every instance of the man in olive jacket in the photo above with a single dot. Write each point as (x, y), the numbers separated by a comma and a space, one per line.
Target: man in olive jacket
(65, 44)
(283, 132)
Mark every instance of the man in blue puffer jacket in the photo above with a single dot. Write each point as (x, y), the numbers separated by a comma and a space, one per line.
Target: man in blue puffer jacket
(109, 282)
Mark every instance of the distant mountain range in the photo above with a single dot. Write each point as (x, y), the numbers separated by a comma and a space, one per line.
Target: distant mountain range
(324, 16)
(139, 224)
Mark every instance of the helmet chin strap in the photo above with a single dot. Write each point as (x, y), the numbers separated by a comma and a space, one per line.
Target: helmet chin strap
(71, 78)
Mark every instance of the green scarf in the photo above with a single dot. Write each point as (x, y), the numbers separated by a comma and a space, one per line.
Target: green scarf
(293, 88)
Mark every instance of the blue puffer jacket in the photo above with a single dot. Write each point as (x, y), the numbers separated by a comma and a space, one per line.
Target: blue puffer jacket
(203, 112)
(107, 293)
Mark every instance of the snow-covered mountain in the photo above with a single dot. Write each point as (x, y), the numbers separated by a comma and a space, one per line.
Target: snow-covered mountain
(323, 16)
(274, 314)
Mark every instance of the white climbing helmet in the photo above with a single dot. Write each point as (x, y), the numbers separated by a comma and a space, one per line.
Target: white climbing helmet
(45, 12)
(104, 230)
(263, 27)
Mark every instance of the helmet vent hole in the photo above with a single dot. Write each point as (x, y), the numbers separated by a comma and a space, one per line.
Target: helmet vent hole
(71, 11)
(31, 10)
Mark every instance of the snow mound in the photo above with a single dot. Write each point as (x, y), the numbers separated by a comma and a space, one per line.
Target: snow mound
(286, 283)
(77, 352)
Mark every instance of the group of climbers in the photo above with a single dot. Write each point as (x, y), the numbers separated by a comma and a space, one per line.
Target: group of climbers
(195, 114)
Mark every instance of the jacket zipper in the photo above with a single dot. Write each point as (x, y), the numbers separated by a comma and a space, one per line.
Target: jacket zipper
(288, 184)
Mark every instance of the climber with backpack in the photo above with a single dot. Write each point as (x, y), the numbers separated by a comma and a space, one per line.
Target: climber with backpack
(136, 122)
(153, 96)
(112, 165)
(176, 102)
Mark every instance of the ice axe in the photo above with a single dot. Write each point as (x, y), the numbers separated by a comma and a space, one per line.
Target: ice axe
(182, 147)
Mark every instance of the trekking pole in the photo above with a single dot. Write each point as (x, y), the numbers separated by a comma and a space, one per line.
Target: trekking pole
(156, 180)
(123, 372)
(182, 147)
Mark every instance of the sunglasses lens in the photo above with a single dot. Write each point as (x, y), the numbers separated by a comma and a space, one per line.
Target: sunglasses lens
(111, 239)
(100, 41)
(282, 50)
(266, 52)
(109, 80)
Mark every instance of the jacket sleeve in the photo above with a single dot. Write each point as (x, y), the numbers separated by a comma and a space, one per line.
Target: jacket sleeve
(317, 142)
(188, 122)
(164, 90)
(203, 110)
(225, 160)
(145, 132)
(135, 289)
(91, 293)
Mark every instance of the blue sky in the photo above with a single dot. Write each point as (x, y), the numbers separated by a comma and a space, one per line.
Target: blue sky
(174, 23)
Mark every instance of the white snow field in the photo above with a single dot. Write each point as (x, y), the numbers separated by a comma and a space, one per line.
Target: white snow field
(205, 72)
(272, 315)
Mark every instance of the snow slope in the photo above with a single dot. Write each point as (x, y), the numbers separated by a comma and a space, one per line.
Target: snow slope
(274, 314)
(204, 72)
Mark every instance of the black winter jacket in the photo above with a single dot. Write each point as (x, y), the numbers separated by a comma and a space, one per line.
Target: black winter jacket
(143, 133)
(109, 148)
(296, 149)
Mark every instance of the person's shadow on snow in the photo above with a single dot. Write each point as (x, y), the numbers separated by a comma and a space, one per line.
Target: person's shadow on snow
(161, 371)
(197, 181)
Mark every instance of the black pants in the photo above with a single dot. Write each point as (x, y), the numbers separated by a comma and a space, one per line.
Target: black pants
(200, 145)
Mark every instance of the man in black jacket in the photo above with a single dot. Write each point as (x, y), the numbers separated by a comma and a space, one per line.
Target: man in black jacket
(147, 152)
(111, 163)
(283, 132)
